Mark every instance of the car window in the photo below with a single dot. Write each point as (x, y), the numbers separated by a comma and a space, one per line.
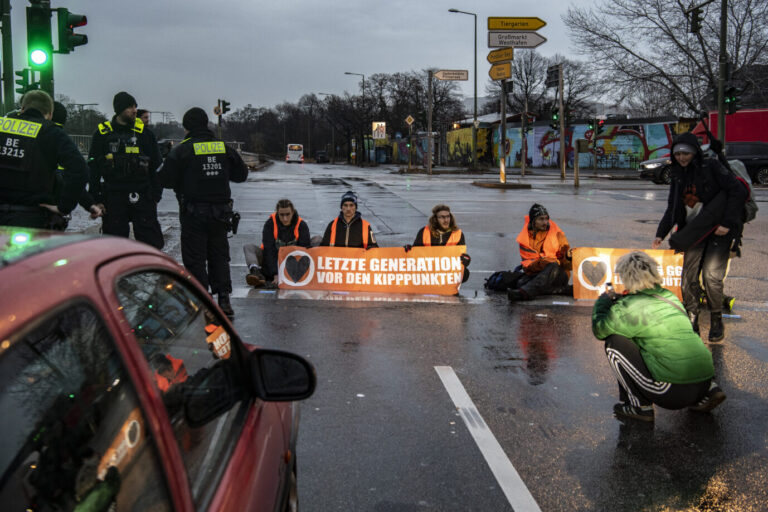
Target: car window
(74, 434)
(735, 150)
(195, 368)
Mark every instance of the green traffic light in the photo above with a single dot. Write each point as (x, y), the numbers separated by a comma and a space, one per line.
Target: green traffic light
(38, 57)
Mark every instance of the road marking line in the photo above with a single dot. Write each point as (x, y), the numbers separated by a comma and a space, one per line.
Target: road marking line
(509, 480)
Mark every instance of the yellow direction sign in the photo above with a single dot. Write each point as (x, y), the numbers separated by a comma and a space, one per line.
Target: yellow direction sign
(501, 23)
(501, 55)
(501, 71)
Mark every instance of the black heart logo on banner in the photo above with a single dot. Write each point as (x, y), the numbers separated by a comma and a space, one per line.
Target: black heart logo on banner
(297, 267)
(594, 271)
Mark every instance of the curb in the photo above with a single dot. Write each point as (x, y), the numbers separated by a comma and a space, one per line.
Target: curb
(493, 184)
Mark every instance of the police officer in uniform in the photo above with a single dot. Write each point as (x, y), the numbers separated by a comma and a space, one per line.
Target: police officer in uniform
(199, 170)
(124, 159)
(31, 148)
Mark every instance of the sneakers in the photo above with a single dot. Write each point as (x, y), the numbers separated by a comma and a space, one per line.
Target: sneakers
(255, 277)
(716, 327)
(624, 411)
(715, 397)
(518, 294)
(225, 306)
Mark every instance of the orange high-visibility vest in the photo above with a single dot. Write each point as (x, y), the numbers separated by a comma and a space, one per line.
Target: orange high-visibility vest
(179, 374)
(274, 229)
(550, 247)
(366, 230)
(426, 237)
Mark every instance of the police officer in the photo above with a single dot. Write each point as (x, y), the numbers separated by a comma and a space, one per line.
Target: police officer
(124, 158)
(31, 148)
(199, 170)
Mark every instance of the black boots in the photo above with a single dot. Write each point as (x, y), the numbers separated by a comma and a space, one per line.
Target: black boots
(716, 327)
(225, 306)
(694, 318)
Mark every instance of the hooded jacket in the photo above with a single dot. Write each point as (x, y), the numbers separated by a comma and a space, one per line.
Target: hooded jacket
(540, 249)
(701, 181)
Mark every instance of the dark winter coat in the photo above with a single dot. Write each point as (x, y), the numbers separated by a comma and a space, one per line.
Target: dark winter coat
(286, 236)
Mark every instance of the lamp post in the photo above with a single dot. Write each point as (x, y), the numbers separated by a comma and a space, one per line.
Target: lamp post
(333, 141)
(365, 117)
(474, 124)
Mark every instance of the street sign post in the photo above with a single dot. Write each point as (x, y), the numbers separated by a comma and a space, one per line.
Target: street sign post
(501, 71)
(503, 23)
(497, 39)
(452, 74)
(501, 55)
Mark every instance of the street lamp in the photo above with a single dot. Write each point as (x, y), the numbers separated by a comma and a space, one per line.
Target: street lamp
(365, 112)
(474, 124)
(333, 141)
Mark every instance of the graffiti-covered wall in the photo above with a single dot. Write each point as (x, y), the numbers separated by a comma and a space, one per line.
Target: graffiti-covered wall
(620, 146)
(460, 146)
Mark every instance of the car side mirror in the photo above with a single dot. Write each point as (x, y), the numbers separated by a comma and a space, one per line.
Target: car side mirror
(278, 376)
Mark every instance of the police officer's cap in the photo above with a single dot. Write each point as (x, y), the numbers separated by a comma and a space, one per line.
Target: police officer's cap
(122, 101)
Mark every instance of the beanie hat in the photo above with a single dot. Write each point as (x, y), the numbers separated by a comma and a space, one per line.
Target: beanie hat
(122, 101)
(349, 196)
(195, 118)
(536, 211)
(59, 116)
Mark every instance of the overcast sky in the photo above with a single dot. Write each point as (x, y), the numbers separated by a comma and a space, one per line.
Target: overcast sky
(175, 55)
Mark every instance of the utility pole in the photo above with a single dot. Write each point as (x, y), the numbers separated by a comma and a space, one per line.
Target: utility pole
(524, 138)
(723, 61)
(562, 124)
(429, 124)
(503, 134)
(7, 41)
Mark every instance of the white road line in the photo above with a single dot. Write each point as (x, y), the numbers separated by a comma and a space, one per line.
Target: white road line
(509, 480)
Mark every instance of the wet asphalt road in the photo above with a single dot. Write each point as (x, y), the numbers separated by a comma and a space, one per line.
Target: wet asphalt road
(382, 432)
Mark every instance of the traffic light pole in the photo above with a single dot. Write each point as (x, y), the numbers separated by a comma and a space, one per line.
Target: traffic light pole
(524, 151)
(723, 61)
(8, 92)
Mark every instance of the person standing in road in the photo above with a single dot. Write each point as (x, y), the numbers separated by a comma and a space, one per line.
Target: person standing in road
(199, 170)
(124, 158)
(349, 229)
(651, 346)
(31, 149)
(702, 186)
(545, 256)
(284, 228)
(441, 230)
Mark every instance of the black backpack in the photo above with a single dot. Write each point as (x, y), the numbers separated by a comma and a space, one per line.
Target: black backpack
(501, 280)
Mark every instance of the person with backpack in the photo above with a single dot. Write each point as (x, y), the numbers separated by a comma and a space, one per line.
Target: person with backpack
(706, 203)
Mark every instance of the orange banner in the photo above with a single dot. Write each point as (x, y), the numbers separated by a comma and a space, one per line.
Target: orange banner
(593, 267)
(427, 270)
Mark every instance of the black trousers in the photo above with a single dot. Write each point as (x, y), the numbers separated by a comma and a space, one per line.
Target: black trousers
(24, 216)
(205, 248)
(550, 280)
(636, 385)
(142, 214)
(710, 259)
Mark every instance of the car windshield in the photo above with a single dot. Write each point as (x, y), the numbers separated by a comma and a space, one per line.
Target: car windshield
(295, 147)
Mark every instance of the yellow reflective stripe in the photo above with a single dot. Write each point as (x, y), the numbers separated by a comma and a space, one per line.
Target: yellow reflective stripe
(138, 126)
(132, 149)
(209, 148)
(19, 127)
(105, 127)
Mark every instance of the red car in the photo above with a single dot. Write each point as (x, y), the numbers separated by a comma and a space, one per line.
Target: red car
(124, 387)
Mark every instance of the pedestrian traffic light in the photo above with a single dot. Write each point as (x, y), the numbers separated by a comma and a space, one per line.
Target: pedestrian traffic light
(600, 126)
(732, 99)
(555, 119)
(591, 124)
(23, 81)
(39, 46)
(695, 21)
(67, 22)
(225, 107)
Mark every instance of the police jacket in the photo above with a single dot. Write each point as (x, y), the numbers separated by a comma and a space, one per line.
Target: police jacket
(31, 149)
(427, 237)
(701, 181)
(276, 235)
(124, 158)
(669, 347)
(357, 233)
(200, 169)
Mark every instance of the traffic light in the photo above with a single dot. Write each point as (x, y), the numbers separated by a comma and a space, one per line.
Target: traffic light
(732, 99)
(695, 21)
(555, 119)
(67, 22)
(224, 107)
(23, 81)
(600, 126)
(591, 124)
(39, 46)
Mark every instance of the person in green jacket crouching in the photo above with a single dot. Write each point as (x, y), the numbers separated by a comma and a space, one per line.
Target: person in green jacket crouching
(651, 346)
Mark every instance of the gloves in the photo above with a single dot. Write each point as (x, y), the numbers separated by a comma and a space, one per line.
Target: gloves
(465, 259)
(407, 247)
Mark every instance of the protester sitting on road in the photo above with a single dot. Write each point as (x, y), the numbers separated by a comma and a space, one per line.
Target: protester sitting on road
(441, 230)
(349, 229)
(546, 258)
(283, 228)
(651, 346)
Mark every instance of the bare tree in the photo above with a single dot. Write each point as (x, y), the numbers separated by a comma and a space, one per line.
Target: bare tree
(529, 70)
(634, 42)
